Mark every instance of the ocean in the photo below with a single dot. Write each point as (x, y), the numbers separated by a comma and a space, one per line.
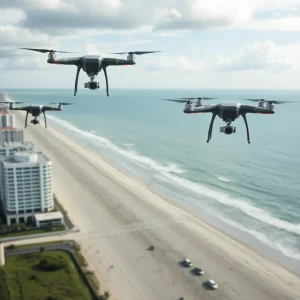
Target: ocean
(250, 191)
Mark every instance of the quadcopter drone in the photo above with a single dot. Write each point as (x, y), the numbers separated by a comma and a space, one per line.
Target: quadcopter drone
(91, 64)
(227, 111)
(36, 110)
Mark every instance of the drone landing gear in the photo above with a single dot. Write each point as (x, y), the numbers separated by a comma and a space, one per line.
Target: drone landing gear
(76, 81)
(247, 128)
(26, 119)
(211, 127)
(106, 80)
(45, 119)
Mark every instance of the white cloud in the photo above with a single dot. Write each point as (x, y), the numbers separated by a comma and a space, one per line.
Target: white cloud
(276, 24)
(12, 38)
(195, 14)
(167, 63)
(257, 56)
(11, 16)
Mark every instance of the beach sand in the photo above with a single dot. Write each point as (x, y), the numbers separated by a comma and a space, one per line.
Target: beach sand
(119, 218)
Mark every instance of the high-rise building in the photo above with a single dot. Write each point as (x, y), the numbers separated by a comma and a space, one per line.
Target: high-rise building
(26, 186)
(7, 119)
(7, 149)
(10, 134)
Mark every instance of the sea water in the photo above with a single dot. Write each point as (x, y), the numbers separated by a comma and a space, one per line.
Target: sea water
(251, 191)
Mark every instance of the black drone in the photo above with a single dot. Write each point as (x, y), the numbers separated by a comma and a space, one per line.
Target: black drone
(36, 110)
(227, 111)
(91, 64)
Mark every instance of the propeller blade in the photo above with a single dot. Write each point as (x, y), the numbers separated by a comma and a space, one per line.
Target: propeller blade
(282, 102)
(45, 50)
(136, 52)
(255, 100)
(176, 100)
(62, 103)
(270, 101)
(11, 102)
(198, 98)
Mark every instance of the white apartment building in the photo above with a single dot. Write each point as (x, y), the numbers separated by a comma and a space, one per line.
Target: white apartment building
(10, 134)
(7, 149)
(26, 186)
(7, 119)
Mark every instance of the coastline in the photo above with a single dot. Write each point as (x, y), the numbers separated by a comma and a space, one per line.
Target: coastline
(213, 241)
(264, 249)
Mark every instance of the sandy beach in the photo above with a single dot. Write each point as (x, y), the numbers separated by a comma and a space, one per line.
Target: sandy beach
(119, 218)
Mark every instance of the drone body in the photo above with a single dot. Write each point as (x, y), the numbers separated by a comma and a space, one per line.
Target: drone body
(227, 111)
(91, 65)
(36, 110)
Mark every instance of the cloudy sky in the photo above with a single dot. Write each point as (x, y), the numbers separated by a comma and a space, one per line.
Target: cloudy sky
(205, 43)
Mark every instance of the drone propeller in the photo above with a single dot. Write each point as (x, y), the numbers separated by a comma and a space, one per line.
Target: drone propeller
(62, 103)
(45, 50)
(136, 52)
(178, 100)
(11, 102)
(269, 101)
(198, 98)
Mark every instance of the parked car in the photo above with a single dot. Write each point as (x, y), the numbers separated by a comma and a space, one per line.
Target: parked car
(212, 284)
(198, 271)
(187, 262)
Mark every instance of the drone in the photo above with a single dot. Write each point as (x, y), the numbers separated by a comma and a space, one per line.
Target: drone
(228, 111)
(36, 110)
(91, 64)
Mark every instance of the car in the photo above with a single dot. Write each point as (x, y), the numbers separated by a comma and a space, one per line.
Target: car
(212, 284)
(187, 262)
(198, 271)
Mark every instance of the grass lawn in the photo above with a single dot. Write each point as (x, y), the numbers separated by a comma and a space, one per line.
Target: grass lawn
(41, 276)
(32, 231)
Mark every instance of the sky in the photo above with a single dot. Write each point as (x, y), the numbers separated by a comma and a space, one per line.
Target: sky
(235, 44)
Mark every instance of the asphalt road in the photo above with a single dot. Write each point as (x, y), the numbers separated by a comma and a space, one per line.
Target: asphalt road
(68, 246)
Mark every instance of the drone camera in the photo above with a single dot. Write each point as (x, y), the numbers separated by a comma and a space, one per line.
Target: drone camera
(35, 121)
(92, 85)
(227, 129)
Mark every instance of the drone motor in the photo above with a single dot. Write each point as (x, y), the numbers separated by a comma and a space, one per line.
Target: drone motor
(199, 103)
(188, 106)
(262, 104)
(92, 85)
(270, 106)
(228, 129)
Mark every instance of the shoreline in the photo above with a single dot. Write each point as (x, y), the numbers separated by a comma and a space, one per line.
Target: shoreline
(219, 244)
(289, 263)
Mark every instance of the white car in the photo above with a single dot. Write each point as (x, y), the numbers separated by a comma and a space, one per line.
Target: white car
(187, 262)
(212, 284)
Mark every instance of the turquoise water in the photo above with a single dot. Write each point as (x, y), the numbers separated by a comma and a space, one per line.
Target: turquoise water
(252, 190)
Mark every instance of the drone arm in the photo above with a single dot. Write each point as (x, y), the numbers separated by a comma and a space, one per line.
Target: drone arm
(211, 126)
(19, 108)
(106, 80)
(205, 109)
(45, 119)
(116, 62)
(65, 61)
(247, 128)
(45, 108)
(76, 80)
(244, 109)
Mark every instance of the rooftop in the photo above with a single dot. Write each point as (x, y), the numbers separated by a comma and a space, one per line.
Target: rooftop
(25, 157)
(48, 216)
(9, 128)
(17, 145)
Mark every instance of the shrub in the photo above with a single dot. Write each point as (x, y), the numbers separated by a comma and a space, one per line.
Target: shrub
(49, 263)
